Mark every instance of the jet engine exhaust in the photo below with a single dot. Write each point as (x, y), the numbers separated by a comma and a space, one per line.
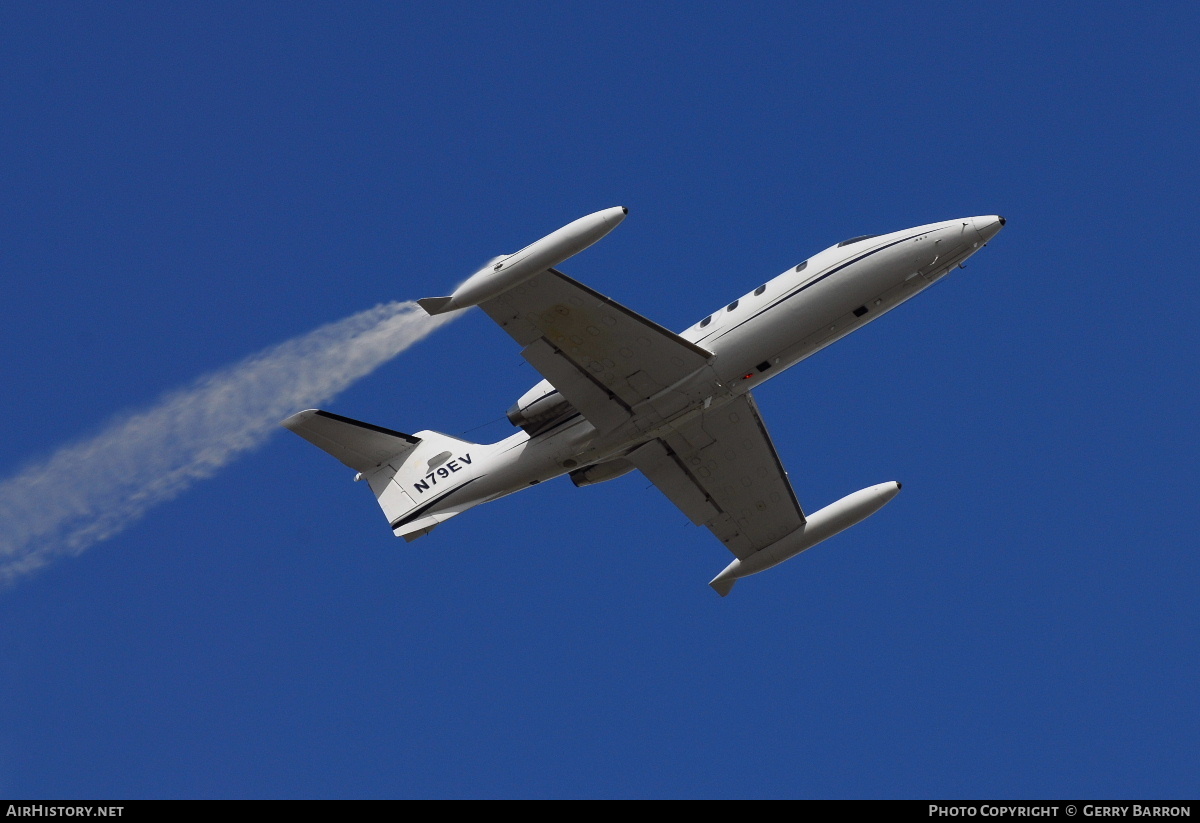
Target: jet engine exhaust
(92, 489)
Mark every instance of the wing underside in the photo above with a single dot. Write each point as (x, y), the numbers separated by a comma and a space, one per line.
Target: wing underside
(722, 471)
(714, 460)
(610, 363)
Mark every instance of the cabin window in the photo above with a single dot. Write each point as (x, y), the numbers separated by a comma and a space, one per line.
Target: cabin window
(802, 266)
(760, 290)
(731, 306)
(706, 321)
(856, 239)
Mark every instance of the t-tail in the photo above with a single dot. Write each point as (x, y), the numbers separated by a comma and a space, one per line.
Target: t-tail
(409, 474)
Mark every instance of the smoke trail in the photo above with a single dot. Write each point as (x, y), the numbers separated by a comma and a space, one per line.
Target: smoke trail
(90, 490)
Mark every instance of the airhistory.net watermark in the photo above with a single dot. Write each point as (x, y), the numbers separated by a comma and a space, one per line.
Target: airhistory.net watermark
(42, 810)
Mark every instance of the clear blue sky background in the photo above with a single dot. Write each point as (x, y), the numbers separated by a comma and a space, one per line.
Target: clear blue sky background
(181, 187)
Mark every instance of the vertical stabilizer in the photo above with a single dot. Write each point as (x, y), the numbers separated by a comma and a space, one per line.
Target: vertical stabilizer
(408, 474)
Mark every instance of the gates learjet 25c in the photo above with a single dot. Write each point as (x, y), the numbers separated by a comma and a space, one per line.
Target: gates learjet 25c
(623, 393)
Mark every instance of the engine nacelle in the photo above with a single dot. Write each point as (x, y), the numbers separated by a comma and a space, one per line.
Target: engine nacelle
(598, 473)
(539, 408)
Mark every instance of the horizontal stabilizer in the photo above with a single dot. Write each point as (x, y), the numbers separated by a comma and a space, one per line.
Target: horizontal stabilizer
(413, 529)
(361, 446)
(435, 305)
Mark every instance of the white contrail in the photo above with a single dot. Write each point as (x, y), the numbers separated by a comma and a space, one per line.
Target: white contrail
(90, 490)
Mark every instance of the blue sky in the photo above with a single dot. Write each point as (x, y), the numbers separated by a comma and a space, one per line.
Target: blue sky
(183, 187)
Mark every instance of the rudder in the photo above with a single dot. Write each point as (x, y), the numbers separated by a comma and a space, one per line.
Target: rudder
(392, 463)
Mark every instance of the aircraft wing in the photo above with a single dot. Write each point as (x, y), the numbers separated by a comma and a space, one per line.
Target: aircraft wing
(610, 363)
(721, 469)
(615, 366)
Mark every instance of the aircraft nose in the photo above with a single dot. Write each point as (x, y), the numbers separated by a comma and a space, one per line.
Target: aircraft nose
(988, 226)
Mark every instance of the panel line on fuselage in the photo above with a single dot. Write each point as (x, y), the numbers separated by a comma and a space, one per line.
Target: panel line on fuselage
(722, 332)
(417, 512)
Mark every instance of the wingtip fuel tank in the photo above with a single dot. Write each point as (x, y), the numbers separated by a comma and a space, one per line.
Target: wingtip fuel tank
(510, 271)
(821, 525)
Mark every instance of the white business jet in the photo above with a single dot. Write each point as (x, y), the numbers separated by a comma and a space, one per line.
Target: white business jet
(623, 393)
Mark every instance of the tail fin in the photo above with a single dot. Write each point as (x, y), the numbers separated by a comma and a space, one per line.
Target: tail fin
(389, 460)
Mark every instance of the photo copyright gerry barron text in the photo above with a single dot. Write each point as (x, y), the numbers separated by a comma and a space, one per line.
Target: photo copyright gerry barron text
(1058, 810)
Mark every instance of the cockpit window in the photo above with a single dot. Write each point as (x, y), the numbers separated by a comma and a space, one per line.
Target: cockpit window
(856, 239)
(802, 266)
(760, 289)
(731, 306)
(706, 321)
